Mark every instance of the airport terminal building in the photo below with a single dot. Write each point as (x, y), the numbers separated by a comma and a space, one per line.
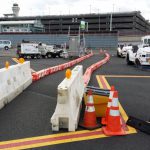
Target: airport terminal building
(103, 30)
(123, 22)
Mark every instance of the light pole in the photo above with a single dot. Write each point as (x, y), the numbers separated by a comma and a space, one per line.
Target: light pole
(111, 22)
(111, 18)
(49, 26)
(99, 23)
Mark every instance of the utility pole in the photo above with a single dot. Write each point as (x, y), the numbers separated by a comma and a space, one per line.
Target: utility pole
(111, 22)
(49, 27)
(111, 18)
(99, 23)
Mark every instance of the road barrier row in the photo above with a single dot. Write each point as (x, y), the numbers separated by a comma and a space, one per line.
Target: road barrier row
(69, 97)
(42, 73)
(14, 79)
(89, 71)
(70, 94)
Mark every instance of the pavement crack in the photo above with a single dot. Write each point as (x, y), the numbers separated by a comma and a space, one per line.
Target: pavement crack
(40, 94)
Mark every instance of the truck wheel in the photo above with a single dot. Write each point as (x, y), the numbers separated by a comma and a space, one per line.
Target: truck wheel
(38, 56)
(128, 61)
(59, 55)
(122, 56)
(48, 55)
(137, 63)
(54, 56)
(6, 47)
(32, 56)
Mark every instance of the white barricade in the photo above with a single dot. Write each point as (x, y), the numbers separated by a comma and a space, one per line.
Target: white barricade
(70, 93)
(13, 81)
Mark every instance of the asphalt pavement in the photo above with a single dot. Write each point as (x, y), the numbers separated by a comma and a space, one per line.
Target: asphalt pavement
(29, 114)
(4, 59)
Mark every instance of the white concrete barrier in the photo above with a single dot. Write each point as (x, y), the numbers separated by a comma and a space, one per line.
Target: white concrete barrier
(70, 93)
(13, 81)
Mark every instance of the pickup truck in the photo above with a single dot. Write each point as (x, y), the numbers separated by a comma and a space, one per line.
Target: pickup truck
(140, 56)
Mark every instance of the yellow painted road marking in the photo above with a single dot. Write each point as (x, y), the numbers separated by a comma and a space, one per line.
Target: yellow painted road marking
(123, 113)
(73, 139)
(125, 76)
(99, 82)
(107, 84)
(29, 142)
(15, 60)
(59, 142)
(43, 137)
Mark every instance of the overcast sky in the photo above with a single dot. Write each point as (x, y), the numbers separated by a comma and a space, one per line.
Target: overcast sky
(60, 7)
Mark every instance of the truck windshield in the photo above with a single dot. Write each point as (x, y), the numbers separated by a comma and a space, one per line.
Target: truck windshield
(146, 41)
(149, 41)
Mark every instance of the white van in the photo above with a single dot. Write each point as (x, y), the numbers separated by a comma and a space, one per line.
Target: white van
(6, 44)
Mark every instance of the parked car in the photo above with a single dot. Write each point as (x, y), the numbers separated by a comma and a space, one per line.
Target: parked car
(6, 44)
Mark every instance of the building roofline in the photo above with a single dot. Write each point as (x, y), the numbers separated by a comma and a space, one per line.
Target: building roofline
(67, 15)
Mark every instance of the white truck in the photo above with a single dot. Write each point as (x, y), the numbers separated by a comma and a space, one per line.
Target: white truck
(24, 50)
(49, 51)
(122, 50)
(140, 55)
(34, 50)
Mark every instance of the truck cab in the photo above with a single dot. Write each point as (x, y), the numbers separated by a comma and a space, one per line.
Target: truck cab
(122, 50)
(140, 55)
(49, 50)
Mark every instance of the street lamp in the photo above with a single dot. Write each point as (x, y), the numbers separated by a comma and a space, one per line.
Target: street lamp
(111, 22)
(99, 23)
(111, 18)
(49, 26)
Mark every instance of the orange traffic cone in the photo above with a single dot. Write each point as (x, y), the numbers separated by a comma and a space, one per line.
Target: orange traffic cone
(89, 120)
(114, 126)
(105, 119)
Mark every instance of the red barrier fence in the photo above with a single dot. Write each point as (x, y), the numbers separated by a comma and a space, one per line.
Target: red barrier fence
(89, 70)
(42, 73)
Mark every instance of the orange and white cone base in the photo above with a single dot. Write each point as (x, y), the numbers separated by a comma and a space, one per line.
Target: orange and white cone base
(114, 126)
(105, 119)
(89, 120)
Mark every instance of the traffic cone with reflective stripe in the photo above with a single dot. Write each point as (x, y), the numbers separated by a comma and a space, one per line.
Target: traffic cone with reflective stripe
(105, 119)
(89, 120)
(114, 126)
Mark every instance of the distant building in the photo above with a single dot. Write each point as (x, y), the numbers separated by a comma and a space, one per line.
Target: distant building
(21, 26)
(123, 22)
